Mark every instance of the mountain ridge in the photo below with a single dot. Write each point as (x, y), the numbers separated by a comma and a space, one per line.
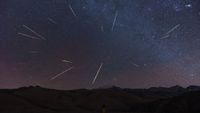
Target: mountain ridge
(36, 99)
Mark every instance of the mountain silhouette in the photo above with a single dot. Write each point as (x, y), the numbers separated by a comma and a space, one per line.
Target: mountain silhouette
(35, 99)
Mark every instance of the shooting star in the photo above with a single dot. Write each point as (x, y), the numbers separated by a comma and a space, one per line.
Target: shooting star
(102, 28)
(97, 73)
(73, 12)
(34, 32)
(56, 76)
(165, 36)
(52, 21)
(174, 28)
(28, 36)
(171, 30)
(66, 61)
(114, 21)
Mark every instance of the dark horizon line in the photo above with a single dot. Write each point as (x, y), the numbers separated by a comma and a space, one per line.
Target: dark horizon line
(112, 86)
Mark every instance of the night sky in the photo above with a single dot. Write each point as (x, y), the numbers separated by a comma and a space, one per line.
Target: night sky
(132, 43)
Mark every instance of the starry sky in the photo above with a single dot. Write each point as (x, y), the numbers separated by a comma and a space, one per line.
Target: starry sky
(62, 43)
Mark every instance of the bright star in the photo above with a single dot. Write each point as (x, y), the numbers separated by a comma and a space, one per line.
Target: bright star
(188, 5)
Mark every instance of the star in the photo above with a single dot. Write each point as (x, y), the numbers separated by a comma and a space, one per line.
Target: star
(188, 5)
